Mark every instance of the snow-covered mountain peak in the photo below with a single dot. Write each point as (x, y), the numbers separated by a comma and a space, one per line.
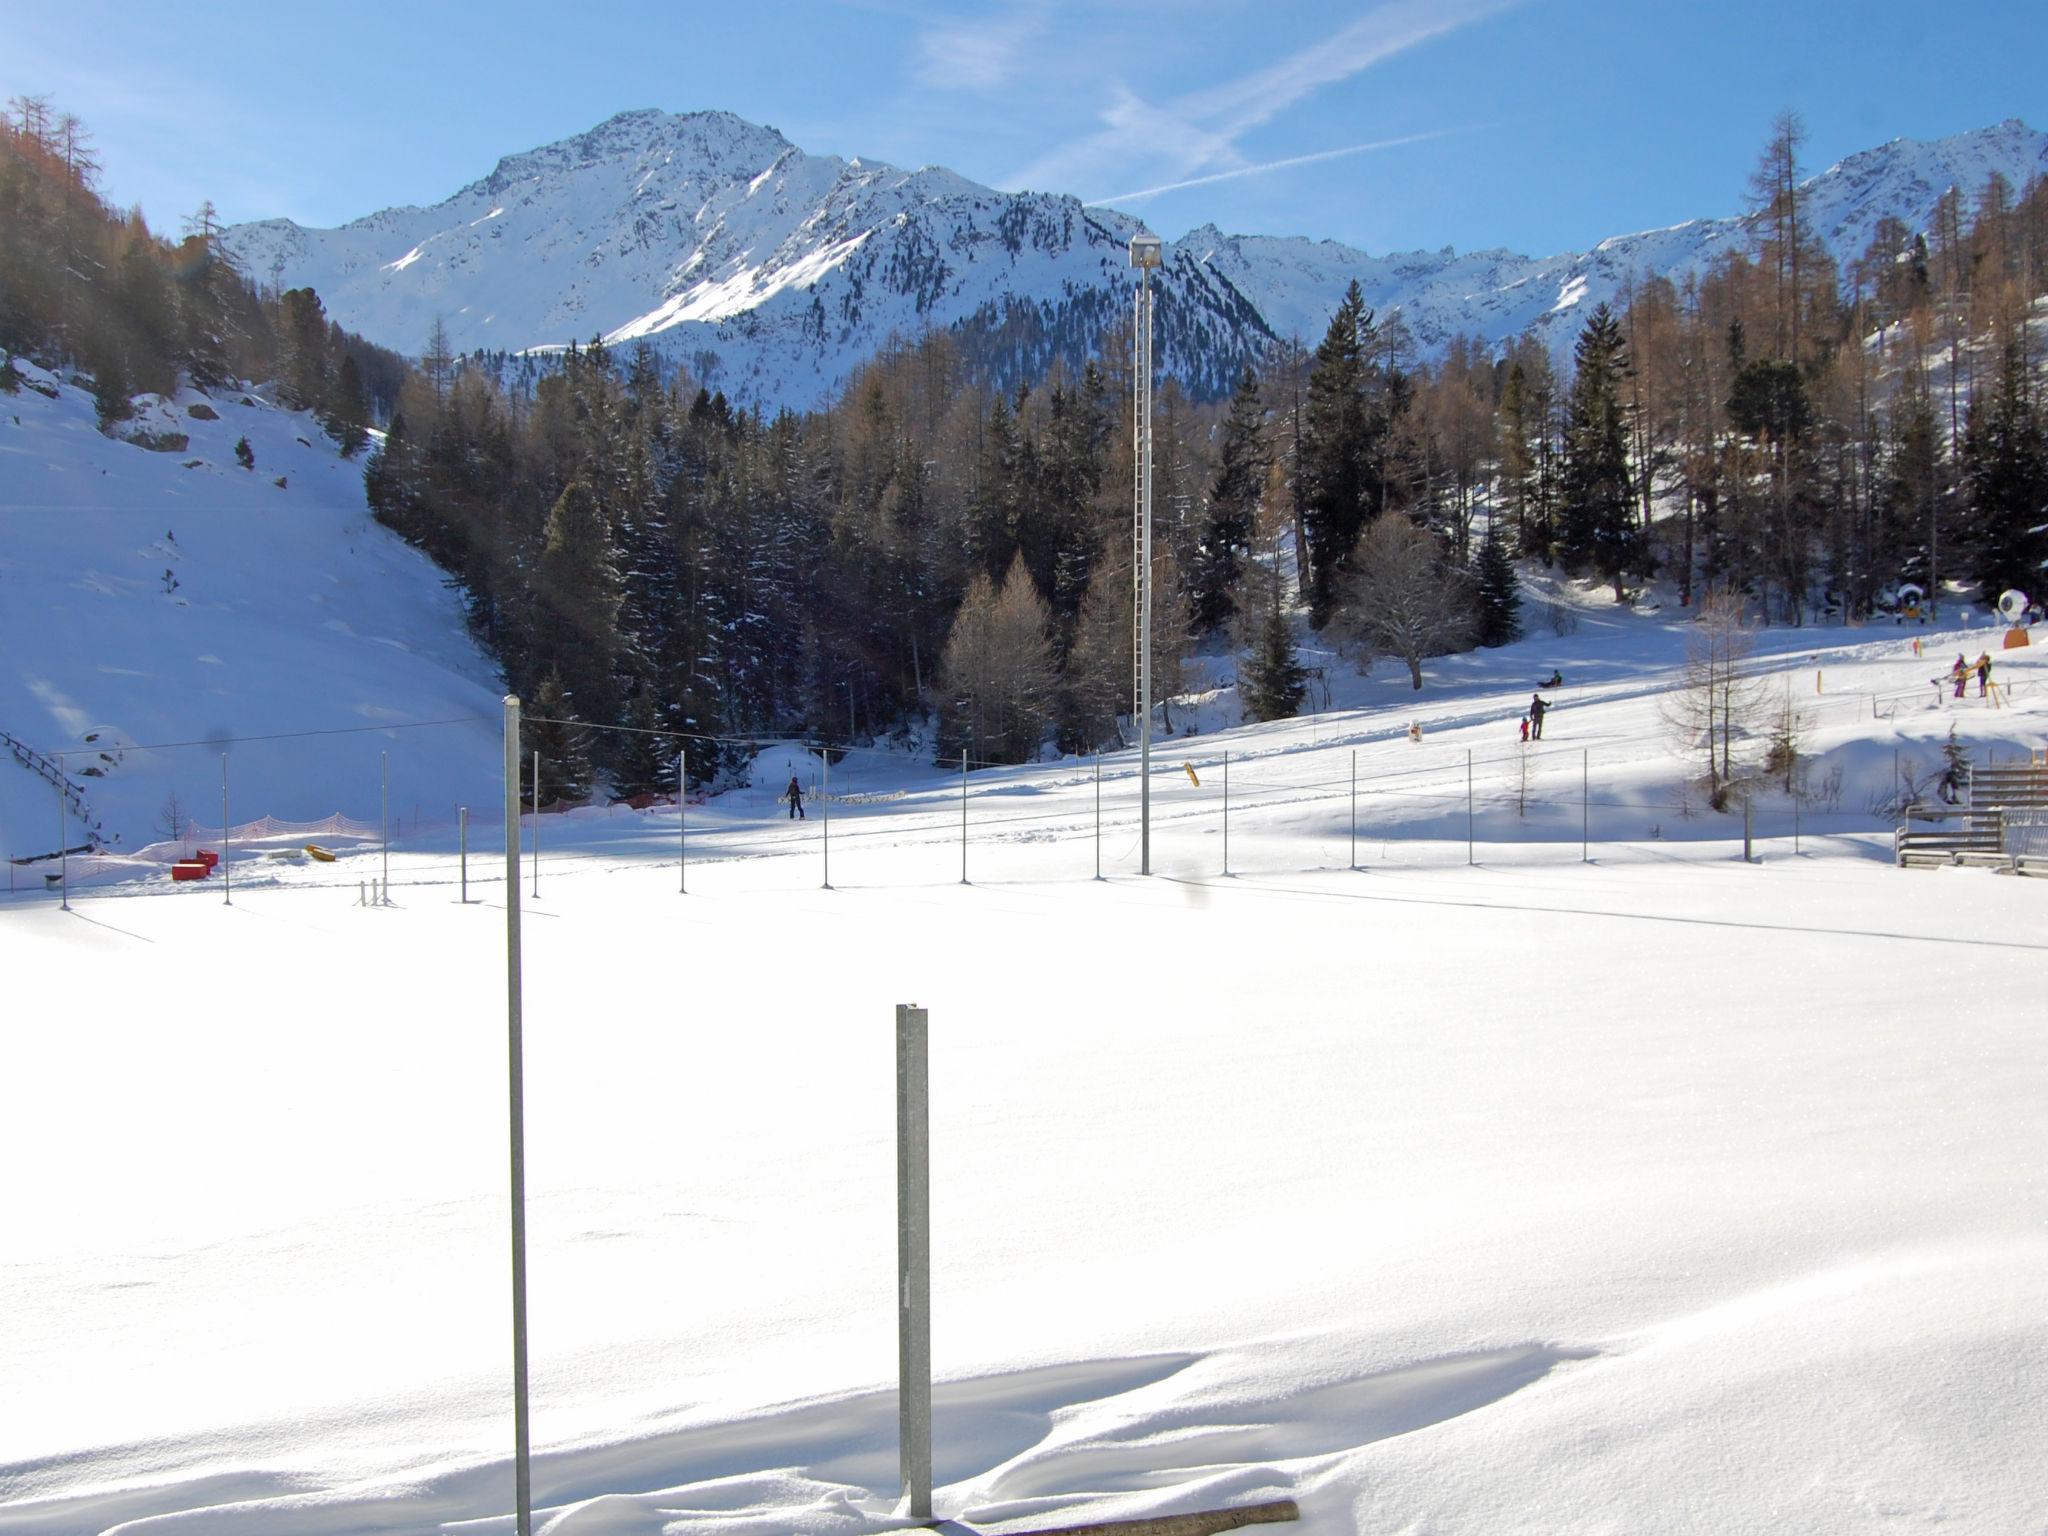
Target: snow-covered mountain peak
(775, 273)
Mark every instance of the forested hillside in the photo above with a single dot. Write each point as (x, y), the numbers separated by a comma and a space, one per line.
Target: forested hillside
(636, 551)
(95, 289)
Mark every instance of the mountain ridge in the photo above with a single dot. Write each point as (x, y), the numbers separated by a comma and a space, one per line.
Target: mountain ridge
(774, 273)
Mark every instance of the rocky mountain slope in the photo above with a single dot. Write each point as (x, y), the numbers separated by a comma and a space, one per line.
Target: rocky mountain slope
(774, 273)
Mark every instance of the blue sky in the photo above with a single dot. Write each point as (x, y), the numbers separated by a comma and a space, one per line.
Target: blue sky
(1539, 125)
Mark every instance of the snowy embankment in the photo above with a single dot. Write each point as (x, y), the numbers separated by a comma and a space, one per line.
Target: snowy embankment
(1656, 1192)
(173, 596)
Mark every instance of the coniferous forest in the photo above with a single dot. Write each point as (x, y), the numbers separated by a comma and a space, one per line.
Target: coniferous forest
(937, 556)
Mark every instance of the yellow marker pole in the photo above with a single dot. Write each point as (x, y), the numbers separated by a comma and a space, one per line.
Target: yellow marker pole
(1190, 768)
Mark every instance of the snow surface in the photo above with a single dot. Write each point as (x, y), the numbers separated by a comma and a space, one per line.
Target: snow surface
(775, 274)
(293, 610)
(1661, 1191)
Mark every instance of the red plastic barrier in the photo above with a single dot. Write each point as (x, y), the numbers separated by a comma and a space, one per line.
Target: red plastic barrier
(205, 856)
(190, 869)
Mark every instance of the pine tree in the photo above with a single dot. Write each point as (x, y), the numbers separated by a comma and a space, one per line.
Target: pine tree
(2005, 476)
(554, 730)
(1271, 679)
(348, 417)
(1338, 450)
(1226, 536)
(579, 592)
(244, 454)
(1497, 591)
(1598, 513)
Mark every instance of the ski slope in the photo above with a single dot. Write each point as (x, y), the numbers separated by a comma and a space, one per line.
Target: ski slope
(1645, 1190)
(152, 597)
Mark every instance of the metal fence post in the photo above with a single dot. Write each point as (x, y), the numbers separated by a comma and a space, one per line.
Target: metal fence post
(1226, 813)
(383, 820)
(536, 824)
(63, 837)
(682, 825)
(1795, 819)
(1469, 859)
(825, 801)
(1354, 807)
(462, 837)
(963, 815)
(522, 1471)
(913, 1259)
(1745, 831)
(1098, 815)
(227, 880)
(1585, 806)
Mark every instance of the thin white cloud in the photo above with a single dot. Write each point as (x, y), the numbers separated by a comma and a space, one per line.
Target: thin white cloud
(979, 54)
(1198, 133)
(1270, 165)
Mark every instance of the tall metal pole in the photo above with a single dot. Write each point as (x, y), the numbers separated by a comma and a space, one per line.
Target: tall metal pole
(1098, 815)
(1354, 807)
(227, 880)
(462, 836)
(1226, 813)
(63, 836)
(1585, 806)
(825, 801)
(682, 825)
(522, 1470)
(913, 1259)
(1468, 807)
(1145, 255)
(963, 815)
(536, 824)
(383, 820)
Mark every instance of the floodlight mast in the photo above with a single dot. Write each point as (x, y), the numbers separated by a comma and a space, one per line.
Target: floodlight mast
(1145, 255)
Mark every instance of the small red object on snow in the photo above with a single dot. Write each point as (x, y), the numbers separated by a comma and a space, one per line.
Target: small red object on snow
(206, 856)
(190, 869)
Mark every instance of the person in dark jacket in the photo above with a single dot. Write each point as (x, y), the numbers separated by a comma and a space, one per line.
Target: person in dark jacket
(795, 796)
(1537, 710)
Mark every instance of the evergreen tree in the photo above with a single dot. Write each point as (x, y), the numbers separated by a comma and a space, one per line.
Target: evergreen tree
(1271, 679)
(244, 454)
(348, 415)
(579, 594)
(1598, 510)
(1226, 535)
(552, 728)
(2005, 476)
(645, 761)
(1496, 590)
(1339, 449)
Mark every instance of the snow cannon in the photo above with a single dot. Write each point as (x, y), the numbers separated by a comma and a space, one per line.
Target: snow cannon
(2015, 609)
(1911, 595)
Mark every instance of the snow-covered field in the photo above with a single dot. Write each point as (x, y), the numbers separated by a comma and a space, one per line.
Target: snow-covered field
(1650, 1191)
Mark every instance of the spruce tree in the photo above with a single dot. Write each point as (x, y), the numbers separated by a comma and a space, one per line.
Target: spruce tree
(1497, 591)
(2005, 475)
(1226, 535)
(553, 729)
(1599, 510)
(1337, 450)
(1271, 679)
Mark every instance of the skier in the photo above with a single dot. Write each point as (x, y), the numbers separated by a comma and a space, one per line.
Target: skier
(1983, 673)
(795, 796)
(1949, 786)
(1537, 709)
(1959, 674)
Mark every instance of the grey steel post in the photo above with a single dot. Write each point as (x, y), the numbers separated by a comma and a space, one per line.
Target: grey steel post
(63, 836)
(1795, 819)
(913, 1259)
(1146, 254)
(825, 803)
(462, 832)
(522, 1471)
(383, 821)
(1585, 806)
(682, 824)
(1098, 815)
(1468, 807)
(1354, 807)
(536, 825)
(963, 815)
(1226, 813)
(1745, 831)
(227, 881)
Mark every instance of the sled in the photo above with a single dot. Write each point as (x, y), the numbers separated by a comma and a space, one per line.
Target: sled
(319, 853)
